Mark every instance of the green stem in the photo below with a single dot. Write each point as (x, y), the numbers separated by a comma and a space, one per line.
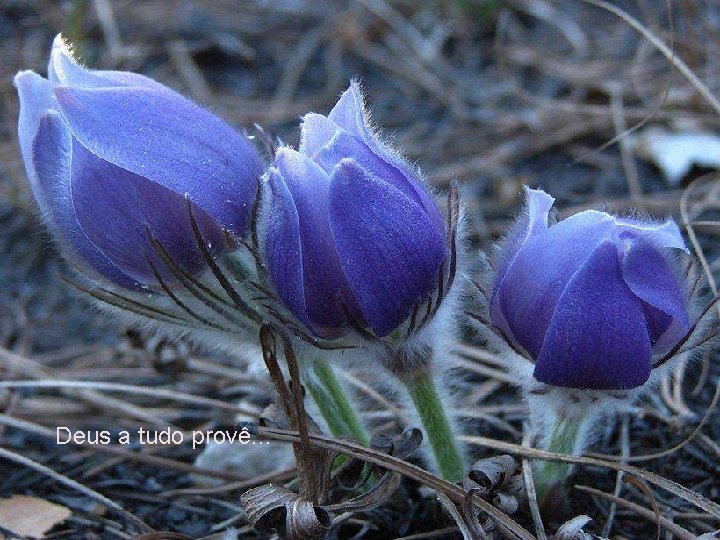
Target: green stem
(564, 439)
(436, 424)
(334, 405)
(327, 409)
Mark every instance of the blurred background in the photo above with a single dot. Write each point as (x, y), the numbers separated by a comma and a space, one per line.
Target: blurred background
(564, 95)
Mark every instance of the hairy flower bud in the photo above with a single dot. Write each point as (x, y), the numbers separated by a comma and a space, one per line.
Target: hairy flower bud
(357, 251)
(111, 156)
(590, 300)
(353, 237)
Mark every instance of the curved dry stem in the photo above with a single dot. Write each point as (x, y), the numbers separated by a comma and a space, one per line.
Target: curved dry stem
(453, 491)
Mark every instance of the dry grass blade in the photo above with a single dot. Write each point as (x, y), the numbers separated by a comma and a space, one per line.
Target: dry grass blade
(618, 114)
(628, 162)
(684, 345)
(470, 531)
(650, 515)
(673, 487)
(687, 440)
(72, 484)
(687, 222)
(29, 368)
(431, 535)
(530, 487)
(625, 451)
(130, 389)
(120, 452)
(242, 485)
(681, 66)
(649, 494)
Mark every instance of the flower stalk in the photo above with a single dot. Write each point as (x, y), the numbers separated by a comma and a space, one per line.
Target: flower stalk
(333, 403)
(565, 438)
(436, 423)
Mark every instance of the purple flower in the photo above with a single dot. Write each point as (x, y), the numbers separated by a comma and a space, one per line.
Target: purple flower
(592, 298)
(352, 235)
(111, 156)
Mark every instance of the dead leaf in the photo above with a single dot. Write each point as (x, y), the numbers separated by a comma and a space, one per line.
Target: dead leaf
(675, 153)
(30, 517)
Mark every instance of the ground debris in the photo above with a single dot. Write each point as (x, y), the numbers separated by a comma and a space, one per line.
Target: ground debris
(29, 516)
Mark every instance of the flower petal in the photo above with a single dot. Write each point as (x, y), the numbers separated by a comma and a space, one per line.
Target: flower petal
(282, 247)
(526, 300)
(171, 141)
(388, 247)
(664, 330)
(316, 131)
(324, 279)
(343, 145)
(349, 113)
(598, 337)
(36, 99)
(117, 209)
(663, 235)
(649, 276)
(533, 220)
(51, 156)
(64, 70)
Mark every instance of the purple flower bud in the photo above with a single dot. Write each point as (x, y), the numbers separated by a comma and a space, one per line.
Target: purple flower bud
(592, 298)
(352, 235)
(111, 156)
